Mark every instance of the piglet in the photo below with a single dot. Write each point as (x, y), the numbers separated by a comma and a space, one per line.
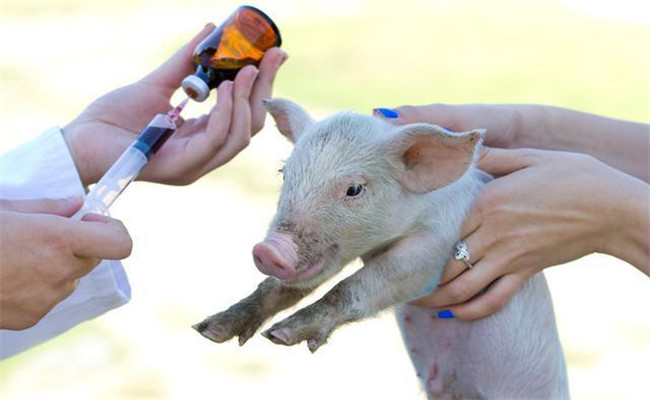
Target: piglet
(396, 196)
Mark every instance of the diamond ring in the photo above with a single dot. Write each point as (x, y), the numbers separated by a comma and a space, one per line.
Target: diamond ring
(462, 254)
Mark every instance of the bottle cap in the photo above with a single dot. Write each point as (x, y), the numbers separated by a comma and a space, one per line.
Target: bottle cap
(195, 87)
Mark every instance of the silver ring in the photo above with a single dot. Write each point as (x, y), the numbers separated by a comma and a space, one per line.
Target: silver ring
(462, 254)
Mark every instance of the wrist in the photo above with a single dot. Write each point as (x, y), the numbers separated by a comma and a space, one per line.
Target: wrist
(628, 236)
(531, 126)
(74, 141)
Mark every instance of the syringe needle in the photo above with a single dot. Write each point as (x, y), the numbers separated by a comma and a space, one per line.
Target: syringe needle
(175, 113)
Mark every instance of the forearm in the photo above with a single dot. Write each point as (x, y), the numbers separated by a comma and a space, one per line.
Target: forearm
(630, 236)
(623, 145)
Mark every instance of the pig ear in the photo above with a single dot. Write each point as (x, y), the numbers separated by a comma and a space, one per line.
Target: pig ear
(429, 157)
(291, 119)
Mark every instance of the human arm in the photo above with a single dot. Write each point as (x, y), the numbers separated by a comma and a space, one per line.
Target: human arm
(545, 208)
(101, 133)
(621, 144)
(44, 254)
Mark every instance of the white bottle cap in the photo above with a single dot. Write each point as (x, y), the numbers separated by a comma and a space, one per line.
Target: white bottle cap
(195, 87)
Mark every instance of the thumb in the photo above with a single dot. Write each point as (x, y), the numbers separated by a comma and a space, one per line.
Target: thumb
(499, 162)
(170, 74)
(63, 207)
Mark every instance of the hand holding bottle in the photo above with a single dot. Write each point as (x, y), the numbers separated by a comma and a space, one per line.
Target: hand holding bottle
(101, 133)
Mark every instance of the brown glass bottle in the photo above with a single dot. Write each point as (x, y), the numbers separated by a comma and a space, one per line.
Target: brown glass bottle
(241, 40)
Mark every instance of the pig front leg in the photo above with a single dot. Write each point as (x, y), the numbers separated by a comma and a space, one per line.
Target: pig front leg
(245, 318)
(385, 281)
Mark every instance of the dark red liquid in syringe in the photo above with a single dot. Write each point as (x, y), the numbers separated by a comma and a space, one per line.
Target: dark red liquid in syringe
(152, 138)
(154, 135)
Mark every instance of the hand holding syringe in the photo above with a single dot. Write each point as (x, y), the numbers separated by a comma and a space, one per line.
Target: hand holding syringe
(130, 163)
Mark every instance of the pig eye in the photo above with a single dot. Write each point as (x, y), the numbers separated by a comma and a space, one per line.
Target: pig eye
(354, 190)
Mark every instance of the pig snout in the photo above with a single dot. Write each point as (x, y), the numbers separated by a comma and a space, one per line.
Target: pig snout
(276, 256)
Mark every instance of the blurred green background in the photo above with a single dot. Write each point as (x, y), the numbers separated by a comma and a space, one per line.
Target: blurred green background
(192, 245)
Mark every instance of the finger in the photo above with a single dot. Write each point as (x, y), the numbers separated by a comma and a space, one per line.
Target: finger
(500, 162)
(192, 126)
(477, 246)
(494, 299)
(439, 114)
(263, 88)
(97, 218)
(62, 207)
(464, 287)
(170, 74)
(99, 237)
(200, 148)
(239, 134)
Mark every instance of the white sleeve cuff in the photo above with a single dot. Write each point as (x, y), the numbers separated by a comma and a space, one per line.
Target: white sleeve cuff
(39, 169)
(44, 168)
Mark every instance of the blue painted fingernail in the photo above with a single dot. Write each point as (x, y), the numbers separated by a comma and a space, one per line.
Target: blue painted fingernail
(386, 112)
(449, 129)
(446, 314)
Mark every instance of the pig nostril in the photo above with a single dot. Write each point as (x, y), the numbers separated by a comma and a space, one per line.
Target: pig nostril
(270, 260)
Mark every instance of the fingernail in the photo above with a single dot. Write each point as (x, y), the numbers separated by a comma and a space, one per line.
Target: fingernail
(386, 112)
(446, 314)
(224, 86)
(449, 129)
(255, 70)
(283, 57)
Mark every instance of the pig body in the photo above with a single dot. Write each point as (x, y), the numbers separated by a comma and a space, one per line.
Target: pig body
(357, 186)
(512, 354)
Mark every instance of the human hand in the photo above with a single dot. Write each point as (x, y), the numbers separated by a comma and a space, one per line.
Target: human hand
(102, 132)
(43, 255)
(545, 208)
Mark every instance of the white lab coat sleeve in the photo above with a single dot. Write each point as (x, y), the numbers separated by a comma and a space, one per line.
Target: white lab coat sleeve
(44, 168)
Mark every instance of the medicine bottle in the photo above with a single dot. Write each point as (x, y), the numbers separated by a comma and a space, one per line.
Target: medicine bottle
(241, 40)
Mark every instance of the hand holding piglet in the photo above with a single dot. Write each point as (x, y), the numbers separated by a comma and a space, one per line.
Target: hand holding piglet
(546, 207)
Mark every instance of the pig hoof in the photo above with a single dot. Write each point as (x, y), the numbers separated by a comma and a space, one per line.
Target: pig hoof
(315, 344)
(246, 334)
(287, 337)
(236, 321)
(212, 332)
(279, 336)
(199, 327)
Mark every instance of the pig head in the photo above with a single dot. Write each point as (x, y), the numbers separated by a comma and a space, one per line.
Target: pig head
(352, 185)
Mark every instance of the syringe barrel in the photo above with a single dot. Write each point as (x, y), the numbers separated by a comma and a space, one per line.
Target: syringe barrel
(128, 166)
(114, 181)
(155, 134)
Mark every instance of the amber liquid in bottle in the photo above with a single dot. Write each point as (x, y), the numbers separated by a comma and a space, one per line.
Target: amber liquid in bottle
(241, 40)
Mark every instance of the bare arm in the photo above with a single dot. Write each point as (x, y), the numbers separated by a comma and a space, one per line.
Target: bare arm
(621, 144)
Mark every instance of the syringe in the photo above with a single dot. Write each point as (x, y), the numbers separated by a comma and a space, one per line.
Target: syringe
(130, 163)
